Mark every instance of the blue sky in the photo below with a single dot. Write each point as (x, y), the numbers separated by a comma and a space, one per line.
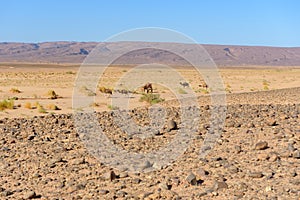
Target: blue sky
(237, 22)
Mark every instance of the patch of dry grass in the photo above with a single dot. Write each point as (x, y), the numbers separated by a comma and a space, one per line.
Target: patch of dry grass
(87, 91)
(40, 108)
(28, 105)
(202, 91)
(94, 104)
(6, 104)
(151, 98)
(52, 107)
(52, 94)
(181, 91)
(111, 107)
(265, 85)
(15, 90)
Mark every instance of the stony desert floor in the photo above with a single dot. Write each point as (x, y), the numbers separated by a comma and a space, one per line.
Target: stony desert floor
(257, 155)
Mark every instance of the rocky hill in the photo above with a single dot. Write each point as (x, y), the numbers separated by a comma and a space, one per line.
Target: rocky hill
(75, 52)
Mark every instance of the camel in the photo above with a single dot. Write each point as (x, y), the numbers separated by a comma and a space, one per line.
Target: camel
(148, 88)
(184, 84)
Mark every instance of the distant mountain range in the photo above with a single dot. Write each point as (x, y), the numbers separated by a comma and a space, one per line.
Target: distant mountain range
(75, 52)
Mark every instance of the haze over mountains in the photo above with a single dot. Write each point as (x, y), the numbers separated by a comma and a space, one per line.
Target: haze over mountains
(75, 52)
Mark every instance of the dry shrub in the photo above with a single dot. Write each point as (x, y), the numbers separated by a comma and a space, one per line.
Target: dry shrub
(151, 98)
(40, 108)
(111, 107)
(52, 94)
(94, 104)
(181, 91)
(87, 91)
(6, 104)
(28, 105)
(15, 90)
(52, 107)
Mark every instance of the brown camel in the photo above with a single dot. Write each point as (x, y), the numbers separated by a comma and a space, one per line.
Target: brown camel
(148, 88)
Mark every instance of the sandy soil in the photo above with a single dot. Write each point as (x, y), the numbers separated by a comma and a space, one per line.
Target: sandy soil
(34, 81)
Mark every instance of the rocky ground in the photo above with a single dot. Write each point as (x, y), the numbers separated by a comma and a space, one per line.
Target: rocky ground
(256, 157)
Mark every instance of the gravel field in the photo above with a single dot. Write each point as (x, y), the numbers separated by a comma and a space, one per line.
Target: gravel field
(256, 157)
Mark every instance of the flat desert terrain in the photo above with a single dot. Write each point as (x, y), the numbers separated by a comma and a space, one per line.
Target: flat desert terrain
(34, 81)
(257, 155)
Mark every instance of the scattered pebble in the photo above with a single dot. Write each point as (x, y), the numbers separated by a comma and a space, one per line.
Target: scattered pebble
(256, 174)
(109, 176)
(261, 145)
(296, 154)
(172, 125)
(30, 195)
(268, 189)
(219, 185)
(103, 192)
(191, 179)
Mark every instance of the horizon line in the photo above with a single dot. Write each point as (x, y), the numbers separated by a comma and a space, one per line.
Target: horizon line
(73, 41)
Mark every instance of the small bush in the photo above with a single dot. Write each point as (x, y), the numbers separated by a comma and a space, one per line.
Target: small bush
(151, 98)
(111, 107)
(228, 90)
(10, 104)
(15, 90)
(265, 82)
(94, 104)
(36, 104)
(13, 98)
(70, 72)
(105, 90)
(6, 104)
(52, 94)
(52, 107)
(181, 91)
(87, 91)
(28, 105)
(40, 108)
(204, 91)
(265, 85)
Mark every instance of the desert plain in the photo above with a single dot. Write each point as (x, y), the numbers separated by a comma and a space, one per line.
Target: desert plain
(256, 157)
